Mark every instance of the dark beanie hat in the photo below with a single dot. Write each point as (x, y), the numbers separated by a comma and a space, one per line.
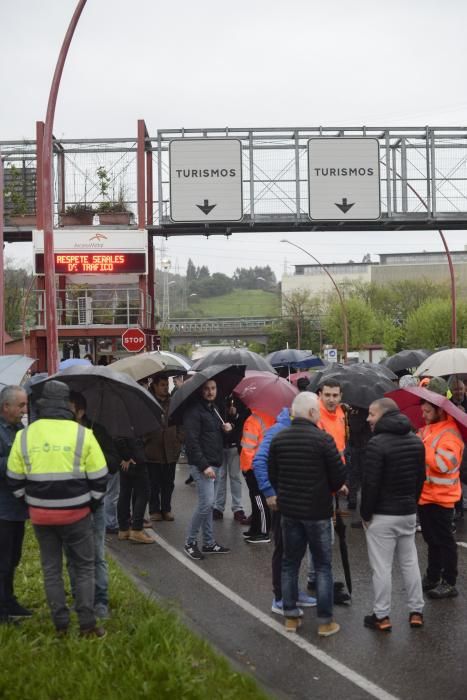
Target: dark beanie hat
(55, 396)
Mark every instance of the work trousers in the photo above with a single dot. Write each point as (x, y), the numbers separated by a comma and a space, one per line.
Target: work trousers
(386, 536)
(162, 483)
(11, 543)
(436, 523)
(134, 491)
(260, 514)
(101, 572)
(78, 538)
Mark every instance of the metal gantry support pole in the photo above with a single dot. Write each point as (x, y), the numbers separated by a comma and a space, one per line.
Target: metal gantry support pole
(2, 279)
(47, 198)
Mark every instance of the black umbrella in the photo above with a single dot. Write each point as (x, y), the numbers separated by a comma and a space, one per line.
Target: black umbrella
(113, 399)
(361, 384)
(383, 370)
(406, 359)
(340, 530)
(226, 379)
(234, 356)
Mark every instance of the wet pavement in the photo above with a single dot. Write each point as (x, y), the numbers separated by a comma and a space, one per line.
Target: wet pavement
(227, 600)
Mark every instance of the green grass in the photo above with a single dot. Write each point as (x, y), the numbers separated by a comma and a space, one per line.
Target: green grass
(147, 651)
(241, 302)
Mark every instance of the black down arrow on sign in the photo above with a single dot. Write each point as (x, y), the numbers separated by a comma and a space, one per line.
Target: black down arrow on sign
(343, 206)
(206, 208)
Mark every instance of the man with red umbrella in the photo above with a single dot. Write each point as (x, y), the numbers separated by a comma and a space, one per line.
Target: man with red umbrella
(442, 489)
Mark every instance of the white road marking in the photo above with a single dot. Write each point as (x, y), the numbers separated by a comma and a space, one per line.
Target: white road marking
(462, 544)
(348, 673)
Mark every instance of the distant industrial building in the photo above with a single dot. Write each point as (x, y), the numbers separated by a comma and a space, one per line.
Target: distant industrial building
(392, 267)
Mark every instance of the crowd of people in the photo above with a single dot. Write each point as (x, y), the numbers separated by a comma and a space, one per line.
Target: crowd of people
(77, 483)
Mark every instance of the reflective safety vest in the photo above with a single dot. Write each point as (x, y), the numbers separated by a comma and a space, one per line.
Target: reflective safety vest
(443, 455)
(336, 425)
(57, 464)
(254, 429)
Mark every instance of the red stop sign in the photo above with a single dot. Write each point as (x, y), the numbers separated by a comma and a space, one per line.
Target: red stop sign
(133, 339)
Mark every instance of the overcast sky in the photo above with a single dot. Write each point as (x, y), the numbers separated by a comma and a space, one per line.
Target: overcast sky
(248, 63)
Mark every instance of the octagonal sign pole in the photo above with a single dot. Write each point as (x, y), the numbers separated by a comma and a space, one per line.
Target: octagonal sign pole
(133, 339)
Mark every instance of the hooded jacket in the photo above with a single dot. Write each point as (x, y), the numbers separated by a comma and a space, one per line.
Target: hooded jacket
(393, 469)
(260, 460)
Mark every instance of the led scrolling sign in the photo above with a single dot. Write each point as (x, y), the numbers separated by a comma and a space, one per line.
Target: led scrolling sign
(94, 263)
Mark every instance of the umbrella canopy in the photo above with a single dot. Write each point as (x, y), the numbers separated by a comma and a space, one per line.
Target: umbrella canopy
(147, 363)
(291, 357)
(361, 385)
(409, 401)
(382, 369)
(340, 530)
(73, 362)
(169, 357)
(265, 391)
(113, 399)
(13, 368)
(405, 359)
(234, 356)
(443, 363)
(225, 377)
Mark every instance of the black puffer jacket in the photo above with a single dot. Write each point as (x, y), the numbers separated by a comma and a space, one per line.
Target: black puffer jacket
(394, 468)
(304, 469)
(204, 442)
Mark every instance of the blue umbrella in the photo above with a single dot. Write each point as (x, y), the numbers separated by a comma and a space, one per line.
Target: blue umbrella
(73, 362)
(290, 357)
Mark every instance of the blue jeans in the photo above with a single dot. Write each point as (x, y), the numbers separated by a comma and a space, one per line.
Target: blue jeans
(101, 571)
(318, 535)
(111, 500)
(202, 517)
(230, 466)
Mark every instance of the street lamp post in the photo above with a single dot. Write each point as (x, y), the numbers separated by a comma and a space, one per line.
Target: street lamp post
(339, 294)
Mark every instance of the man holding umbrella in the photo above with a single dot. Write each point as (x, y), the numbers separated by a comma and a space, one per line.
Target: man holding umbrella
(204, 429)
(304, 470)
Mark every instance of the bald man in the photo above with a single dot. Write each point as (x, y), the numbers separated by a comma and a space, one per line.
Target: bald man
(393, 475)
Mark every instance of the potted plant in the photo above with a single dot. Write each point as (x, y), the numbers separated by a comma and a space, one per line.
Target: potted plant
(80, 214)
(111, 210)
(16, 202)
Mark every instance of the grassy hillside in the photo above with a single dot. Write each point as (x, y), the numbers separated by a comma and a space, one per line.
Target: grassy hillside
(241, 302)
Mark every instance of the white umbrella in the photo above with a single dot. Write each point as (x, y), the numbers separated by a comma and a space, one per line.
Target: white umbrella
(171, 357)
(13, 368)
(444, 363)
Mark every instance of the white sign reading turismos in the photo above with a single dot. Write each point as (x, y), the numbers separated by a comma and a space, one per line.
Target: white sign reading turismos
(343, 178)
(205, 180)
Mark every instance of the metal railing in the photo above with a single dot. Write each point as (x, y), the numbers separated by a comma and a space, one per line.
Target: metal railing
(100, 306)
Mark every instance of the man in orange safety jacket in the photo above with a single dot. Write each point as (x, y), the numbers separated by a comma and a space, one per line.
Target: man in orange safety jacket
(254, 429)
(442, 489)
(333, 418)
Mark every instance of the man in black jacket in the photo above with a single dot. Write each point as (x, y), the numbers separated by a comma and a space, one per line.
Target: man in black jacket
(393, 475)
(305, 469)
